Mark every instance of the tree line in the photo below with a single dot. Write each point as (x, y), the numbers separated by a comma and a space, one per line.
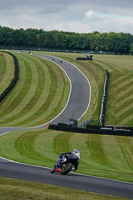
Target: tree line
(41, 39)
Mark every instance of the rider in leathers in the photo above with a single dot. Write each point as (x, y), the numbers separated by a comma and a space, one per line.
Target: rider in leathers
(75, 154)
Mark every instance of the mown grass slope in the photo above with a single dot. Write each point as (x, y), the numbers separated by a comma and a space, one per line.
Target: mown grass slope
(40, 94)
(101, 155)
(7, 69)
(120, 101)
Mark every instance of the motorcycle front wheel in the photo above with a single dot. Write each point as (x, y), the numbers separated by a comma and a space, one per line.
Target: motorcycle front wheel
(52, 170)
(66, 168)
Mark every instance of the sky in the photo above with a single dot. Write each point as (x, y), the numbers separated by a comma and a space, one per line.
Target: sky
(80, 16)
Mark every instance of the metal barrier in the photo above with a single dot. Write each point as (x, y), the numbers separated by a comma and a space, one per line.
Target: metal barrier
(103, 130)
(104, 99)
(14, 80)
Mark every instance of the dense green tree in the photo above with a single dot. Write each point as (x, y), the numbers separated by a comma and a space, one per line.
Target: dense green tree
(6, 36)
(119, 43)
(18, 37)
(131, 48)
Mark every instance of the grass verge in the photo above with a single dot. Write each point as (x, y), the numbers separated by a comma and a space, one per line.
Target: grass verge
(101, 155)
(19, 190)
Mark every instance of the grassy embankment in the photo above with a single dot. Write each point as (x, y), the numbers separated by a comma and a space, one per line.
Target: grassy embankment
(120, 101)
(40, 94)
(6, 70)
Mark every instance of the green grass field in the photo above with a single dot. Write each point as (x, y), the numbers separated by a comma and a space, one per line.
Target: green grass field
(101, 155)
(40, 94)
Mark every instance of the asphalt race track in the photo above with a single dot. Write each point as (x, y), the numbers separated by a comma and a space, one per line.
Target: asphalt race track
(73, 180)
(77, 105)
(80, 91)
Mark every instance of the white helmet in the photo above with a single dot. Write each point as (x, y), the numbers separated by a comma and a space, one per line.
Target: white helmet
(76, 153)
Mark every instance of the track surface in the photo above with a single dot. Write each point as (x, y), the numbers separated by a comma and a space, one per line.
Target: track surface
(82, 182)
(80, 94)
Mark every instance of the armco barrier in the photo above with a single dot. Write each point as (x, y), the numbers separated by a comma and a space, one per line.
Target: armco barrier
(104, 99)
(111, 130)
(103, 130)
(14, 80)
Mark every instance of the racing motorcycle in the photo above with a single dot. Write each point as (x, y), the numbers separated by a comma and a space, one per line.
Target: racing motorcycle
(65, 164)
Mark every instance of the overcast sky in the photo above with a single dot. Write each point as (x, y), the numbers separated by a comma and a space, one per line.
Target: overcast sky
(82, 16)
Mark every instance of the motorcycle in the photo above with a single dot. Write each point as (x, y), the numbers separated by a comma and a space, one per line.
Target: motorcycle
(66, 163)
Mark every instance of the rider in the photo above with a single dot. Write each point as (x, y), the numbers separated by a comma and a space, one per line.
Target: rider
(74, 154)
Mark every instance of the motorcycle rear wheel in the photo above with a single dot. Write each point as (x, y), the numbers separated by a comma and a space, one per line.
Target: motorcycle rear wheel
(66, 168)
